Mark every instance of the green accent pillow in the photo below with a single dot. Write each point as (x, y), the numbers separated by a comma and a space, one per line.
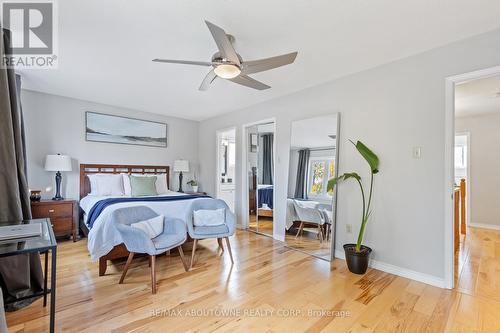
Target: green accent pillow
(142, 186)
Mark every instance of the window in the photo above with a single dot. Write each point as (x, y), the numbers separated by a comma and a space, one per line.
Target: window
(460, 156)
(319, 172)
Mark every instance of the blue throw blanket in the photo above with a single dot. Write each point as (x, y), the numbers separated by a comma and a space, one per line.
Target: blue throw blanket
(97, 209)
(266, 196)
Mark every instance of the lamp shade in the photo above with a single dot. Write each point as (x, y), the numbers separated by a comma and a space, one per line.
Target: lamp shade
(58, 163)
(181, 166)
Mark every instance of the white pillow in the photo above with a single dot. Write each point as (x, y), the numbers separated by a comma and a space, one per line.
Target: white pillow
(209, 217)
(127, 189)
(161, 182)
(152, 227)
(102, 184)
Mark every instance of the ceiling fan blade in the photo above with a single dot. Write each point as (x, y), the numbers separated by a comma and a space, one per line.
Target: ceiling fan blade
(211, 76)
(185, 62)
(249, 82)
(256, 66)
(223, 43)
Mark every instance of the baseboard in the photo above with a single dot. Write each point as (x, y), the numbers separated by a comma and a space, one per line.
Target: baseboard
(484, 226)
(399, 271)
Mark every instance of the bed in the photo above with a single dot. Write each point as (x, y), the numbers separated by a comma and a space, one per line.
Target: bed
(265, 197)
(104, 243)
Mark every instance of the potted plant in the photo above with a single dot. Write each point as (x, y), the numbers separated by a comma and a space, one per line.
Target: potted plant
(194, 184)
(357, 255)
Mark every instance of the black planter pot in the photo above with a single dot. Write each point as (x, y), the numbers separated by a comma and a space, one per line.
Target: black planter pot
(357, 262)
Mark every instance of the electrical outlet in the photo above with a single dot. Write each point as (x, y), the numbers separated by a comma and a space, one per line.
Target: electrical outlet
(348, 228)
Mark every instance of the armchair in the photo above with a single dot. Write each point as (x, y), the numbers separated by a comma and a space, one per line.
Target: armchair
(136, 241)
(310, 216)
(220, 232)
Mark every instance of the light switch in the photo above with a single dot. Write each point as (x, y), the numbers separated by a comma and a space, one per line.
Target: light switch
(417, 152)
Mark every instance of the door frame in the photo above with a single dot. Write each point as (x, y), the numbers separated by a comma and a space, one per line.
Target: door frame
(244, 171)
(449, 162)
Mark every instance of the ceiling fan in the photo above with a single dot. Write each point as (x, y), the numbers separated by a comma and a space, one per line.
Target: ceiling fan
(227, 64)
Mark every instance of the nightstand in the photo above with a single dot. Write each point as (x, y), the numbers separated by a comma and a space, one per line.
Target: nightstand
(63, 215)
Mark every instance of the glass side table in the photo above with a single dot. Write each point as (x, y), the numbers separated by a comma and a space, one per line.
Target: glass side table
(43, 244)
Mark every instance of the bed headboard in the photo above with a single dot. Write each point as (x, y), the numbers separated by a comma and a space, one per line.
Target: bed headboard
(88, 169)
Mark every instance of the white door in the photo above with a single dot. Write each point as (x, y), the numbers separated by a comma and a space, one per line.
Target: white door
(226, 166)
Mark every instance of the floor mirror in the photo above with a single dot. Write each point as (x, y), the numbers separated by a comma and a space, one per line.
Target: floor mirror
(311, 206)
(260, 171)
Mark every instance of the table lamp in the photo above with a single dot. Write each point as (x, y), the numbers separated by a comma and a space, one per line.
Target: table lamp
(181, 166)
(58, 163)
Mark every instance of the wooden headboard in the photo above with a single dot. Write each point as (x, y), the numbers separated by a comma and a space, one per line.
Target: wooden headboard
(88, 169)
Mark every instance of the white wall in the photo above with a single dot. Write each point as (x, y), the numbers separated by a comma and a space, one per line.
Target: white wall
(484, 167)
(56, 124)
(392, 108)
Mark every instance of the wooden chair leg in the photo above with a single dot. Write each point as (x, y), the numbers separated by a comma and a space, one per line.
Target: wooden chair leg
(153, 274)
(229, 249)
(103, 265)
(125, 269)
(221, 246)
(320, 233)
(181, 254)
(300, 229)
(195, 241)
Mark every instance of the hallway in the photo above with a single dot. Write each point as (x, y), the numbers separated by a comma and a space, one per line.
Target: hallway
(477, 281)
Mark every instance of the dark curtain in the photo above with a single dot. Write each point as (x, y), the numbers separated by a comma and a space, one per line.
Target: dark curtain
(20, 275)
(301, 181)
(267, 159)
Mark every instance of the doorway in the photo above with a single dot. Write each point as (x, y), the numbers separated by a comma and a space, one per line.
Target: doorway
(460, 201)
(471, 128)
(226, 166)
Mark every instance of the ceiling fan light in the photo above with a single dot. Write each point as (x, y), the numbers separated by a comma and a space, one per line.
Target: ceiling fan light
(227, 71)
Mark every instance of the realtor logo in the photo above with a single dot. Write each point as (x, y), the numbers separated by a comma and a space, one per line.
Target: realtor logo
(32, 38)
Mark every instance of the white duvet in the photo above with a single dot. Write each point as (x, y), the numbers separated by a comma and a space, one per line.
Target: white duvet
(103, 236)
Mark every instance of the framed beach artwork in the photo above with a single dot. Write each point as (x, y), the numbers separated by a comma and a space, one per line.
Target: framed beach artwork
(101, 127)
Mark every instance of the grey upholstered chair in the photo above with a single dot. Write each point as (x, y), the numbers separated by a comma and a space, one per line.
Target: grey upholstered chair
(136, 241)
(310, 216)
(219, 231)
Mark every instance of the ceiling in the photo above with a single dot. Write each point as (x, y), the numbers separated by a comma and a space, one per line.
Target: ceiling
(478, 97)
(314, 132)
(106, 47)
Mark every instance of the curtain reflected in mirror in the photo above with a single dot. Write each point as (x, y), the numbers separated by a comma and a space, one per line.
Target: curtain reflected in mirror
(310, 206)
(260, 169)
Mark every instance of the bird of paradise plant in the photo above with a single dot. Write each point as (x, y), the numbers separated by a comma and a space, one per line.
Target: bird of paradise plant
(373, 163)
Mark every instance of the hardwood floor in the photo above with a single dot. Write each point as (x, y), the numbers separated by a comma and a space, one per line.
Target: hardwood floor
(307, 242)
(293, 292)
(478, 282)
(264, 225)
